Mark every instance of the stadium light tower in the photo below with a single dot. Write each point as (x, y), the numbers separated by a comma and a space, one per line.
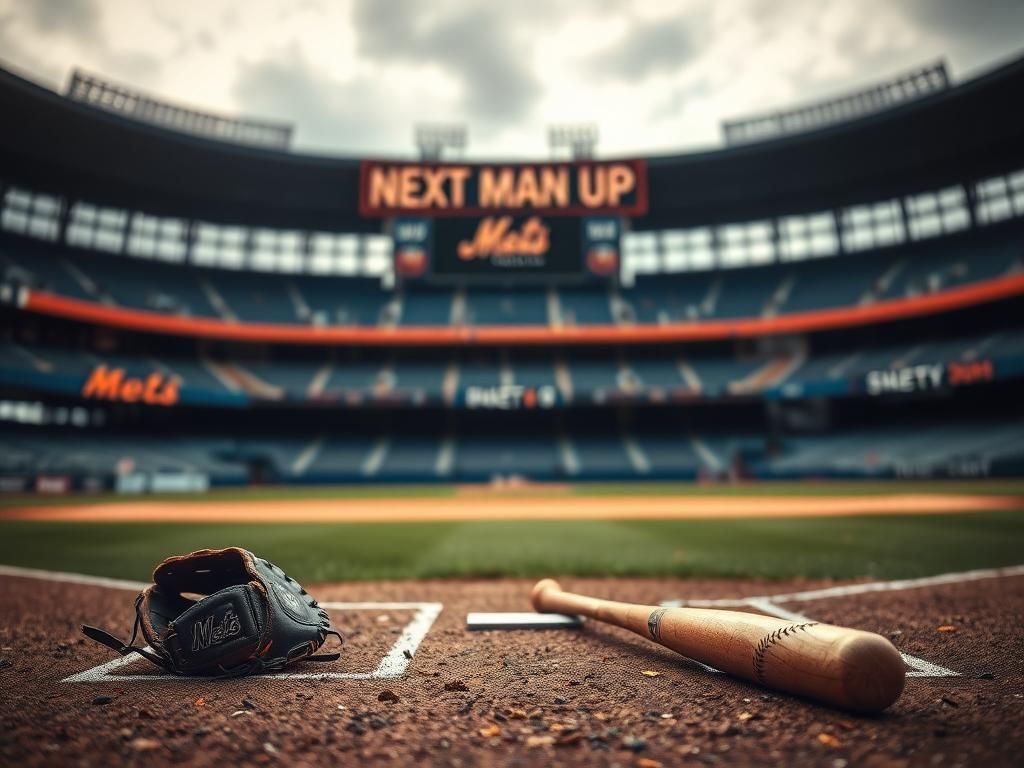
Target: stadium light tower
(580, 140)
(433, 139)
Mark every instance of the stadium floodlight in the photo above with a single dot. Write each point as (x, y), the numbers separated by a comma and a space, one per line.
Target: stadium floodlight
(579, 139)
(432, 139)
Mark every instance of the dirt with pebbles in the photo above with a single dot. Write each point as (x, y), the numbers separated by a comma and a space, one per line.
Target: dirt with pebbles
(575, 697)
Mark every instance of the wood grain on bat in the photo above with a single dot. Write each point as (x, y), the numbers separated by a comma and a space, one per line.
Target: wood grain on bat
(848, 668)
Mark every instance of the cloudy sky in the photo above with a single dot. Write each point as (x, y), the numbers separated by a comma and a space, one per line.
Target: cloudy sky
(354, 76)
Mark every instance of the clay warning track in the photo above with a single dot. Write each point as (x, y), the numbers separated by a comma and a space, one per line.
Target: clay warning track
(575, 697)
(403, 510)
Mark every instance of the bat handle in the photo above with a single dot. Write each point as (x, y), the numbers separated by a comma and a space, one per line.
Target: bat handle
(547, 596)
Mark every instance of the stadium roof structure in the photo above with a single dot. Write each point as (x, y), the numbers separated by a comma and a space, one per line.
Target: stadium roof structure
(913, 85)
(77, 150)
(98, 92)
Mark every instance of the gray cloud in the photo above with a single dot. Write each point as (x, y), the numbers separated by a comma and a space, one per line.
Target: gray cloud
(971, 30)
(651, 48)
(77, 17)
(326, 113)
(477, 47)
(78, 21)
(980, 22)
(678, 75)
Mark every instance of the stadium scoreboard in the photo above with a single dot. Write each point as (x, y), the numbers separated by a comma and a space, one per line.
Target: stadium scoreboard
(480, 222)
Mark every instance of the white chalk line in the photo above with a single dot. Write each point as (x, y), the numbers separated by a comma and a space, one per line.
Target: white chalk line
(394, 663)
(854, 589)
(770, 604)
(918, 667)
(70, 578)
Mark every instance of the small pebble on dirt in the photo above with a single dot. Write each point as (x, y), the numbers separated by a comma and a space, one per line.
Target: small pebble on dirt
(540, 741)
(455, 685)
(389, 696)
(634, 744)
(144, 745)
(248, 704)
(102, 700)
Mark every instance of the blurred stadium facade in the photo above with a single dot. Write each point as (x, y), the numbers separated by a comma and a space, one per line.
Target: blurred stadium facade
(841, 300)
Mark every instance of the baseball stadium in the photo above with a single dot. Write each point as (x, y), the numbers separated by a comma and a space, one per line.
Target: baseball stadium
(779, 377)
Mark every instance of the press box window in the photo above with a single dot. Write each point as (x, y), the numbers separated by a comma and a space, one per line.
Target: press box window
(101, 229)
(742, 244)
(151, 237)
(1000, 198)
(333, 254)
(872, 226)
(32, 215)
(276, 251)
(687, 250)
(219, 246)
(936, 213)
(377, 251)
(804, 237)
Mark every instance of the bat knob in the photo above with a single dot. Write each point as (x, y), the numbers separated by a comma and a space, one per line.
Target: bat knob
(541, 587)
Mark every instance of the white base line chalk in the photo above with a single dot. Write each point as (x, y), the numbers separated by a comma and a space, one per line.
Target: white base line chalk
(394, 663)
(770, 603)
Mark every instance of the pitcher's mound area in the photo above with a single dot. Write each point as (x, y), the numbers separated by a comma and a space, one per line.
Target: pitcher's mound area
(413, 686)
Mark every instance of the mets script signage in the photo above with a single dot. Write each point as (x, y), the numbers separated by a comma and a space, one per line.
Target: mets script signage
(554, 189)
(506, 244)
(113, 384)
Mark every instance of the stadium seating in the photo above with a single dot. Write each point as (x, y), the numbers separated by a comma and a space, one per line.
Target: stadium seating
(472, 457)
(245, 296)
(320, 375)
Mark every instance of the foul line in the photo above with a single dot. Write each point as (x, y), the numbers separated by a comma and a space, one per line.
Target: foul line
(854, 589)
(70, 578)
(394, 663)
(770, 604)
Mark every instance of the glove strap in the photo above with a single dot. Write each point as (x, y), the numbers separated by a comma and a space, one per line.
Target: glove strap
(328, 656)
(125, 649)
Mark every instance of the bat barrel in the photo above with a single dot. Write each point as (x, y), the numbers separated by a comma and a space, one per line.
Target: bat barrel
(847, 668)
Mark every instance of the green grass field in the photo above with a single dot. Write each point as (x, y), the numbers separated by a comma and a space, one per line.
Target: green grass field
(844, 547)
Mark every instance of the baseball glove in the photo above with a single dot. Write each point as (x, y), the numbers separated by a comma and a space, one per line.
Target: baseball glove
(224, 613)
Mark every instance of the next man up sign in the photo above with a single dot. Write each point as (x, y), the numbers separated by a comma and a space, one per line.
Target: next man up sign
(466, 220)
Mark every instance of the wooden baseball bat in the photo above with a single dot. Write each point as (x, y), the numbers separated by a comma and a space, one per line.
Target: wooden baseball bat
(847, 668)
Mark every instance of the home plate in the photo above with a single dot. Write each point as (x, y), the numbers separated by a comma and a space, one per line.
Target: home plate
(524, 620)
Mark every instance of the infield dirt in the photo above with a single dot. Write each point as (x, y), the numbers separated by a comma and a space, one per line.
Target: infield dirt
(577, 697)
(559, 507)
